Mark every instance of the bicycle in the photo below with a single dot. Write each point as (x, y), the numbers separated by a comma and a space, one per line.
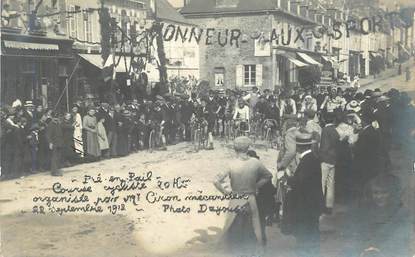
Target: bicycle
(199, 135)
(228, 130)
(270, 127)
(241, 127)
(155, 137)
(255, 127)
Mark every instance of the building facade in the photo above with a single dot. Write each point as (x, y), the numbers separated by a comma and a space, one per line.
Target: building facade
(281, 62)
(35, 59)
(259, 57)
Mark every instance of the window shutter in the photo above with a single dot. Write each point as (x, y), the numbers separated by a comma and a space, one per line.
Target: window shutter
(239, 75)
(259, 75)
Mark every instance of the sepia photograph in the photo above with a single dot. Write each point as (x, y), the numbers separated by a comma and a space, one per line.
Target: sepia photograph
(207, 128)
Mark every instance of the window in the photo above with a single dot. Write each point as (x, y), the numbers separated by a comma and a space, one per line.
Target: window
(88, 26)
(250, 75)
(72, 22)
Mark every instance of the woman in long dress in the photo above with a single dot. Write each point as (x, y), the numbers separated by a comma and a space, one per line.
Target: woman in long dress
(77, 133)
(90, 126)
(102, 135)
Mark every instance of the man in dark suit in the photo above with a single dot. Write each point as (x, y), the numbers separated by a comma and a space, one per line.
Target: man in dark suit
(54, 137)
(307, 197)
(370, 154)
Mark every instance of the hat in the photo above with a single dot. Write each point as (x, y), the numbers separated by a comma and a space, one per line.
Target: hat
(159, 98)
(382, 99)
(16, 103)
(91, 108)
(241, 144)
(125, 112)
(29, 104)
(303, 138)
(368, 93)
(377, 94)
(353, 106)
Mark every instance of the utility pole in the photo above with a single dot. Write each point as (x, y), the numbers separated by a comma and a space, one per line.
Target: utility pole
(160, 44)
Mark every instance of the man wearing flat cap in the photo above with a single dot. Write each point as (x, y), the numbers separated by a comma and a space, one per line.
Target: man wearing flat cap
(307, 197)
(246, 176)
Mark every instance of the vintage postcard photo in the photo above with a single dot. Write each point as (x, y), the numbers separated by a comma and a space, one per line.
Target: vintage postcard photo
(207, 128)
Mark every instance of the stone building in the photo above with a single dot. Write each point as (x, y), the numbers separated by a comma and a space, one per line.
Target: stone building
(257, 57)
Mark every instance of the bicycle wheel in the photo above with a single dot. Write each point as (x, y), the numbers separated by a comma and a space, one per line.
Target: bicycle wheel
(268, 139)
(227, 132)
(151, 141)
(197, 140)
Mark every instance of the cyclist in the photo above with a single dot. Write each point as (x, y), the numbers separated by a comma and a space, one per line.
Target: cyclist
(210, 111)
(221, 117)
(241, 116)
(198, 119)
(252, 98)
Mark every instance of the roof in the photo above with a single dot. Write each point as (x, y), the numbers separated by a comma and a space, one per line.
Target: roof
(200, 8)
(209, 6)
(166, 12)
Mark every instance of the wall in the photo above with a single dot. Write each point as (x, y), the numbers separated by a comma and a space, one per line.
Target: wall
(230, 57)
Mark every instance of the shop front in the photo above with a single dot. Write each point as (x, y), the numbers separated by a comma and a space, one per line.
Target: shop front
(35, 68)
(296, 68)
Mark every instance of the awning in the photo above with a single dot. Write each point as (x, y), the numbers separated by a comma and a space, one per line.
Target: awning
(29, 46)
(120, 61)
(326, 58)
(94, 59)
(308, 59)
(296, 62)
(374, 54)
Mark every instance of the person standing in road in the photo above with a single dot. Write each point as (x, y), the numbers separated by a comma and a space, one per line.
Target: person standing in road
(242, 230)
(328, 156)
(407, 74)
(90, 126)
(307, 197)
(54, 137)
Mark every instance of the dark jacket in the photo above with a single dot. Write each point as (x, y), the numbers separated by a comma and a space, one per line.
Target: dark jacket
(54, 134)
(307, 194)
(370, 155)
(328, 146)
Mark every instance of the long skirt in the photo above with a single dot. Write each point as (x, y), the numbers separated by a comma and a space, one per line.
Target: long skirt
(78, 142)
(92, 146)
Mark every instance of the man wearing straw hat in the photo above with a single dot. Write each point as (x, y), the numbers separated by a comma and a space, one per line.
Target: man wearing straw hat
(246, 175)
(307, 197)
